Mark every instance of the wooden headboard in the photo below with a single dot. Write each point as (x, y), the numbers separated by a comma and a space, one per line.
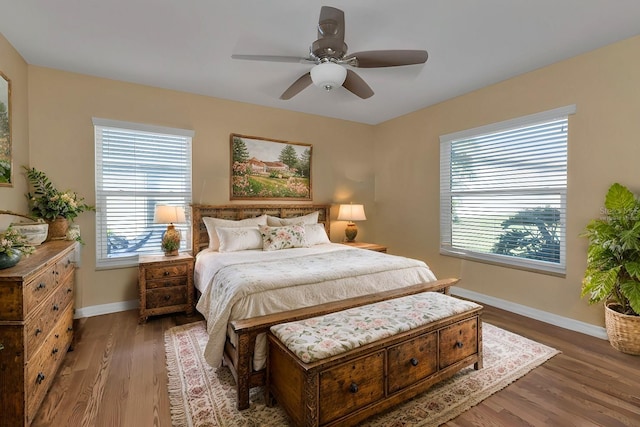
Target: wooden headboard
(200, 237)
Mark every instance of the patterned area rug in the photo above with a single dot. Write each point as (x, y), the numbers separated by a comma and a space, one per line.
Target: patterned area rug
(202, 396)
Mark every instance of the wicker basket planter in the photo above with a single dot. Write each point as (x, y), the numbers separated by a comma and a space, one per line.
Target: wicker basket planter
(623, 330)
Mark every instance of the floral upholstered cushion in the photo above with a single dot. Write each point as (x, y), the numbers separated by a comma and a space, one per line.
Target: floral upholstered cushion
(276, 238)
(324, 336)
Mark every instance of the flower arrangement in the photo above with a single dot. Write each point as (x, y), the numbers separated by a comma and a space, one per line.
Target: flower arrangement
(49, 203)
(11, 240)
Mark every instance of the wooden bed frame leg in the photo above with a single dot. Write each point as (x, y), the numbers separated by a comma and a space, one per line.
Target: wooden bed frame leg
(244, 370)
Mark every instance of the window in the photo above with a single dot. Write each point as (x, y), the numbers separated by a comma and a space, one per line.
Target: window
(137, 167)
(503, 192)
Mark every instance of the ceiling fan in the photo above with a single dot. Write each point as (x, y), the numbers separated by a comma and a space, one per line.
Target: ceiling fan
(329, 54)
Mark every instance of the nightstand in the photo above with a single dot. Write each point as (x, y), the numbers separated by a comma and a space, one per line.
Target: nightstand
(165, 284)
(369, 246)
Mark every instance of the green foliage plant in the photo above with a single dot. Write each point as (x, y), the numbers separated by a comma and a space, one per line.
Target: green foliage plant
(613, 257)
(49, 203)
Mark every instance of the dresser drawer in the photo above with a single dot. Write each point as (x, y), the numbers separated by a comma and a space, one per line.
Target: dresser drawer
(458, 341)
(350, 386)
(65, 265)
(38, 289)
(158, 272)
(411, 361)
(166, 297)
(42, 367)
(39, 326)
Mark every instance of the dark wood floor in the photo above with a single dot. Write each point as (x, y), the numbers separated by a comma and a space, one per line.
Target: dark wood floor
(116, 377)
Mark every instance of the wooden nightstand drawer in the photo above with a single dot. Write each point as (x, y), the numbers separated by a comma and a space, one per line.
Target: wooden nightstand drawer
(161, 272)
(166, 297)
(368, 246)
(167, 282)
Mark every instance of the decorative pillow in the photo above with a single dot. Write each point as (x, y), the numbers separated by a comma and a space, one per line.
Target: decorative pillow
(212, 223)
(276, 238)
(311, 218)
(238, 238)
(316, 234)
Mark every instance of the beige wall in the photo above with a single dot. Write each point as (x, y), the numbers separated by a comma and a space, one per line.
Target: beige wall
(604, 147)
(397, 180)
(15, 68)
(61, 106)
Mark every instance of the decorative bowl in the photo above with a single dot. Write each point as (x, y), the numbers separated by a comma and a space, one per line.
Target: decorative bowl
(35, 232)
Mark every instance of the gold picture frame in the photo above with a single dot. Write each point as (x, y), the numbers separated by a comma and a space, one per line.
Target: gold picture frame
(6, 161)
(269, 169)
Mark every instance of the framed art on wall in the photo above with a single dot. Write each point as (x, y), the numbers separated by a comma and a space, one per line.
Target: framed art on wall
(269, 169)
(5, 131)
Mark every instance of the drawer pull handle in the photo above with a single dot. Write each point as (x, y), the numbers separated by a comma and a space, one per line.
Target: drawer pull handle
(69, 290)
(69, 329)
(167, 297)
(40, 378)
(353, 388)
(1, 346)
(55, 307)
(38, 331)
(57, 335)
(166, 273)
(459, 344)
(414, 361)
(54, 351)
(40, 286)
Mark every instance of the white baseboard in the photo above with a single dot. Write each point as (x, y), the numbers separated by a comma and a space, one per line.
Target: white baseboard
(97, 310)
(543, 316)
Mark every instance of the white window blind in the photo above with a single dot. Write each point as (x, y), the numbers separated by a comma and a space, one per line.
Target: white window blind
(503, 192)
(137, 167)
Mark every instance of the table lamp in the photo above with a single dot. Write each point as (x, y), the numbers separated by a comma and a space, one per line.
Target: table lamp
(351, 213)
(165, 214)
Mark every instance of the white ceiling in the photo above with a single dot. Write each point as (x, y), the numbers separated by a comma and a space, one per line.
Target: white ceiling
(187, 45)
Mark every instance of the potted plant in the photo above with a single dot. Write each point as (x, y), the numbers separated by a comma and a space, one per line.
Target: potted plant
(54, 206)
(613, 267)
(12, 246)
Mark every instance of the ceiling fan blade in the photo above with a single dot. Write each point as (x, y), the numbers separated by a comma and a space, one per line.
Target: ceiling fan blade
(297, 86)
(272, 58)
(354, 83)
(330, 41)
(386, 58)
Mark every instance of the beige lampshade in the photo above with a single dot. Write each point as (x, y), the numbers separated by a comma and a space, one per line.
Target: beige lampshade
(171, 238)
(165, 214)
(351, 213)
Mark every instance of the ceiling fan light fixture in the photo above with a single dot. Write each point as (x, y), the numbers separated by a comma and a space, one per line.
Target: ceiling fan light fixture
(328, 75)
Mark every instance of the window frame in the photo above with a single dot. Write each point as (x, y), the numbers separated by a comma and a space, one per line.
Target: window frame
(446, 246)
(103, 261)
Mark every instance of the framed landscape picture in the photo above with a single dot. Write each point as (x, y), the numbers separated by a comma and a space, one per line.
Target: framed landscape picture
(269, 169)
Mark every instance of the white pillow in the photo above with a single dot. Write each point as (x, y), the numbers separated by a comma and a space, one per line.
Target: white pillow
(238, 238)
(316, 234)
(212, 223)
(276, 238)
(311, 218)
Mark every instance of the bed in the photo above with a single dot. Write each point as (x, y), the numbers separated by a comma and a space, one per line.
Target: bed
(241, 283)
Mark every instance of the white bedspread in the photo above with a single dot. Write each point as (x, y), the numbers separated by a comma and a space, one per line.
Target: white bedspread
(240, 285)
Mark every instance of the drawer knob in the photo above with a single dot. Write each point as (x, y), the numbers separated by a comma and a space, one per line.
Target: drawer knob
(40, 378)
(414, 361)
(55, 307)
(41, 286)
(166, 273)
(69, 290)
(54, 351)
(69, 329)
(167, 297)
(38, 331)
(57, 335)
(353, 388)
(459, 344)
(1, 346)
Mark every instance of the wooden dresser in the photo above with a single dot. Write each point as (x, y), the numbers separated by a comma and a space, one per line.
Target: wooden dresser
(36, 328)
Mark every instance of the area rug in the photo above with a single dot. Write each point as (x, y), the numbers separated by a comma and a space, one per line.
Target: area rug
(201, 396)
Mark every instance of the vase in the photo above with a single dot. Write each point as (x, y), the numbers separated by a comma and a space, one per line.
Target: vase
(58, 229)
(7, 261)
